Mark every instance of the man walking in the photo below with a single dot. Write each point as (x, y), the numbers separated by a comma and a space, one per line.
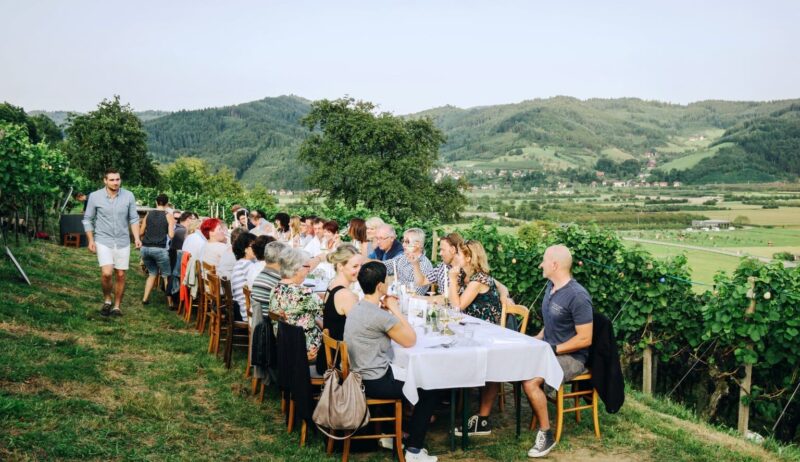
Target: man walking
(567, 315)
(110, 212)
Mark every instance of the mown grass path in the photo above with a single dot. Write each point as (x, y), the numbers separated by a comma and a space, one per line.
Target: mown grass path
(75, 385)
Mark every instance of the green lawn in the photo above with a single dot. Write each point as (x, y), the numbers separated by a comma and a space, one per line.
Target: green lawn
(77, 386)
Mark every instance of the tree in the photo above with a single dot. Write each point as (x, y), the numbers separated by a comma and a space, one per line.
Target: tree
(16, 115)
(193, 176)
(47, 129)
(110, 136)
(380, 160)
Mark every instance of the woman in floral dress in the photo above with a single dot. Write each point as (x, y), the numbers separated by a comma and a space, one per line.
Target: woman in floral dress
(477, 294)
(297, 304)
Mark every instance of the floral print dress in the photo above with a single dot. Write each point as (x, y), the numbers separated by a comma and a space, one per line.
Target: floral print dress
(301, 307)
(486, 306)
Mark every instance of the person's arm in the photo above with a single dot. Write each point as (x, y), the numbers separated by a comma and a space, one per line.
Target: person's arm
(581, 340)
(465, 298)
(540, 335)
(144, 225)
(505, 298)
(344, 300)
(90, 210)
(170, 225)
(133, 219)
(402, 332)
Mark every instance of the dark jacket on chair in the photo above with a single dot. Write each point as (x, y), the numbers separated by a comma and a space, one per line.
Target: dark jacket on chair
(604, 363)
(264, 353)
(294, 376)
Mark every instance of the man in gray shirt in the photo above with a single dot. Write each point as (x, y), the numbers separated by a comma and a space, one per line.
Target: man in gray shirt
(110, 211)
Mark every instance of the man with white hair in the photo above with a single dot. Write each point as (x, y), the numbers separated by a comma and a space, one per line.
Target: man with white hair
(567, 316)
(413, 249)
(386, 244)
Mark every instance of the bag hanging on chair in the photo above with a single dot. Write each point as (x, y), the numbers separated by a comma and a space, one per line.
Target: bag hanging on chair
(341, 406)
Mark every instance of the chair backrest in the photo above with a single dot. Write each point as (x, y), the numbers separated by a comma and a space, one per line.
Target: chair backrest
(247, 301)
(330, 344)
(198, 272)
(226, 308)
(209, 268)
(275, 317)
(211, 283)
(517, 310)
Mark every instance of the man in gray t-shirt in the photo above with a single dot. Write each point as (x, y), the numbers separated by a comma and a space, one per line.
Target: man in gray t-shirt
(371, 326)
(567, 316)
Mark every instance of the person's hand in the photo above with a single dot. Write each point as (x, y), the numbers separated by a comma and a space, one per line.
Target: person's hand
(312, 353)
(414, 256)
(391, 303)
(138, 243)
(454, 272)
(92, 247)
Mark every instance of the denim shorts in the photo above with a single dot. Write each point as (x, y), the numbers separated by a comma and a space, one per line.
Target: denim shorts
(156, 259)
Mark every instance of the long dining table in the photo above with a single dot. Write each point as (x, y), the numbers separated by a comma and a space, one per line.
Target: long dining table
(458, 360)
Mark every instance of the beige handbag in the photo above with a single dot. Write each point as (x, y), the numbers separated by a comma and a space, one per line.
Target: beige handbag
(341, 406)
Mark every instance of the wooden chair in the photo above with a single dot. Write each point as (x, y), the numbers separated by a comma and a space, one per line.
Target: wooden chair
(330, 345)
(275, 318)
(205, 302)
(72, 240)
(226, 329)
(515, 310)
(248, 305)
(561, 395)
(211, 310)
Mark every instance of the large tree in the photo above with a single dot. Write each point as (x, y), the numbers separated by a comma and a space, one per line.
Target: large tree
(110, 136)
(380, 160)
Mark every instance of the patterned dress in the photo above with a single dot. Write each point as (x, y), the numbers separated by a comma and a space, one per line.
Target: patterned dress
(486, 306)
(301, 307)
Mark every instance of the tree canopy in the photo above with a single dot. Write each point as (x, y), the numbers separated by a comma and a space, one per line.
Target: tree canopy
(110, 136)
(380, 160)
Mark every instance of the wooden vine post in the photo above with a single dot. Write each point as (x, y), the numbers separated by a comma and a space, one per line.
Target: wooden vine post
(647, 362)
(434, 246)
(744, 390)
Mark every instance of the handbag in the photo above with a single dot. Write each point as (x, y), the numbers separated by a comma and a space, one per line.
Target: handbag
(342, 404)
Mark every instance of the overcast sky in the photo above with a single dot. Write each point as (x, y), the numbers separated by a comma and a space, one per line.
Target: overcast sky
(406, 56)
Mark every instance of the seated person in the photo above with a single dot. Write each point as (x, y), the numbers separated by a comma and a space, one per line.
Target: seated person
(371, 326)
(413, 249)
(568, 320)
(448, 249)
(386, 244)
(245, 258)
(296, 303)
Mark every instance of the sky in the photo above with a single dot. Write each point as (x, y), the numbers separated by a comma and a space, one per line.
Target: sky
(404, 56)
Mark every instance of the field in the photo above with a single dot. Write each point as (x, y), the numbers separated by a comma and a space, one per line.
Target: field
(77, 386)
(688, 161)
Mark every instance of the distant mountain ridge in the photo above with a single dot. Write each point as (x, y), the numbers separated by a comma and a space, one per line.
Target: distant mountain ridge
(60, 117)
(259, 140)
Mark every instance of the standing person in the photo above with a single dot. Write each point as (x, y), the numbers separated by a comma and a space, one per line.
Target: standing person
(371, 326)
(110, 212)
(568, 320)
(159, 224)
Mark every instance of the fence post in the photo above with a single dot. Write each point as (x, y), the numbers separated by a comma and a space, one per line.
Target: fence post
(744, 390)
(647, 363)
(434, 246)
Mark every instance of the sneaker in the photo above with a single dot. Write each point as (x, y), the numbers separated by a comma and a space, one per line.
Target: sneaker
(421, 456)
(545, 442)
(476, 426)
(106, 309)
(386, 443)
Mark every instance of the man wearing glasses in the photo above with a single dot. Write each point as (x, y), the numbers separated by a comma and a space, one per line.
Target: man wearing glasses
(402, 266)
(386, 244)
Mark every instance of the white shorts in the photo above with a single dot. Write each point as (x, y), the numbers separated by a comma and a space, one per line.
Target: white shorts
(117, 256)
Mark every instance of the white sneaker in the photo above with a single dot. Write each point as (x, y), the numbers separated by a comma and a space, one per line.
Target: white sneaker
(421, 456)
(386, 443)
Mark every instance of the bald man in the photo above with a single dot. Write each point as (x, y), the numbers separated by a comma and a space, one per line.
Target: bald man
(567, 315)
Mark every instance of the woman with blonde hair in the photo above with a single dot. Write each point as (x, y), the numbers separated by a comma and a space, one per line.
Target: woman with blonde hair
(295, 228)
(372, 224)
(479, 297)
(340, 297)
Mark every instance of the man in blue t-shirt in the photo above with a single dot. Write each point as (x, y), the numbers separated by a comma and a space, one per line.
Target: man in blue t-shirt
(567, 316)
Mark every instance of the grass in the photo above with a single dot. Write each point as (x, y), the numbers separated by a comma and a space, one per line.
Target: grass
(77, 386)
(738, 239)
(690, 160)
(703, 264)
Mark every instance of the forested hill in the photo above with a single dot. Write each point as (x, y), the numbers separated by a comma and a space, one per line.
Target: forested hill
(761, 149)
(259, 140)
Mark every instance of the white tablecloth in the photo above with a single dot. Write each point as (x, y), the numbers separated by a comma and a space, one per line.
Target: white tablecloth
(494, 354)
